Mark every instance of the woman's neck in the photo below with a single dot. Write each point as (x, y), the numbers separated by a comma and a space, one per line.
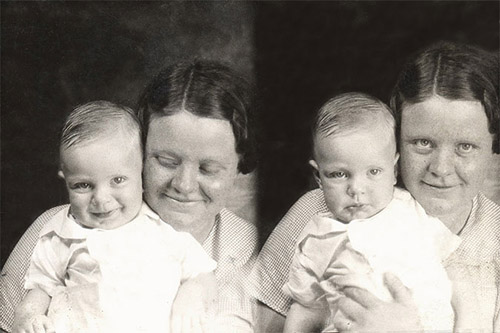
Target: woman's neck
(199, 231)
(456, 220)
(201, 234)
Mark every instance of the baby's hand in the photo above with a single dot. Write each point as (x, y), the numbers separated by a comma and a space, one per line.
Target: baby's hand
(195, 300)
(188, 312)
(36, 324)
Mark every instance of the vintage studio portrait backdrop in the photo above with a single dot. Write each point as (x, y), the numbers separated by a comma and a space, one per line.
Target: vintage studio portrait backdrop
(56, 55)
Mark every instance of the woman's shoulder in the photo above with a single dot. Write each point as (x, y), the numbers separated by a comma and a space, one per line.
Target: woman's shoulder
(299, 215)
(236, 234)
(481, 234)
(50, 213)
(486, 216)
(31, 235)
(232, 222)
(280, 245)
(311, 202)
(488, 206)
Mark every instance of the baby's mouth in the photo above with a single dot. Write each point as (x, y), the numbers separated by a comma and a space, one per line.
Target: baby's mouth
(103, 215)
(355, 207)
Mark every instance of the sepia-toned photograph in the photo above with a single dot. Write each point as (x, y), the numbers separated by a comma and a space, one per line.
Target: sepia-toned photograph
(250, 166)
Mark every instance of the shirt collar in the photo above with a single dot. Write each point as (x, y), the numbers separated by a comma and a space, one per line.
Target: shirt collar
(63, 224)
(146, 210)
(325, 223)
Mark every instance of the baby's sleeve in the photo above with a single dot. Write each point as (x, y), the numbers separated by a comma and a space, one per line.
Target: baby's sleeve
(195, 260)
(46, 271)
(310, 260)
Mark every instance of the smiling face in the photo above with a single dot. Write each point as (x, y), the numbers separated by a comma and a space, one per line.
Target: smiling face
(445, 151)
(103, 178)
(356, 171)
(189, 170)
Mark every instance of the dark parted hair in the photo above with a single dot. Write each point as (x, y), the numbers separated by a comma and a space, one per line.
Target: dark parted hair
(453, 71)
(206, 89)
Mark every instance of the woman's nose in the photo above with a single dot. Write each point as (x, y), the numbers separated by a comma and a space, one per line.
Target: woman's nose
(441, 163)
(184, 180)
(356, 187)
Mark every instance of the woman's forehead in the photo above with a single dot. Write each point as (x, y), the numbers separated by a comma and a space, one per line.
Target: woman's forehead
(446, 119)
(444, 111)
(186, 133)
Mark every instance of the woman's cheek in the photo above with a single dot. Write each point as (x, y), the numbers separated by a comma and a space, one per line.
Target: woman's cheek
(219, 188)
(214, 189)
(411, 166)
(155, 175)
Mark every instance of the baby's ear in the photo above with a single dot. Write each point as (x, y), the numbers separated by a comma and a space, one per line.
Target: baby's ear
(396, 168)
(60, 174)
(316, 172)
(396, 159)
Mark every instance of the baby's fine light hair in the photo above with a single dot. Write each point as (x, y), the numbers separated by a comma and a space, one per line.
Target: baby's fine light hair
(97, 119)
(351, 111)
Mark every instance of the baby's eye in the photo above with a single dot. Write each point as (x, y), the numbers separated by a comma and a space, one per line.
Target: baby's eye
(80, 186)
(465, 147)
(375, 172)
(119, 180)
(337, 175)
(422, 143)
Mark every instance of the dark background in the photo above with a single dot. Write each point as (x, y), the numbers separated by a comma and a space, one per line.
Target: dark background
(56, 55)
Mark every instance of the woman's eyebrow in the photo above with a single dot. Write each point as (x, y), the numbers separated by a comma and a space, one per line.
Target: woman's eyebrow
(215, 163)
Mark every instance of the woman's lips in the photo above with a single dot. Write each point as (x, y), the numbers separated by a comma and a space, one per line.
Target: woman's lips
(182, 201)
(439, 186)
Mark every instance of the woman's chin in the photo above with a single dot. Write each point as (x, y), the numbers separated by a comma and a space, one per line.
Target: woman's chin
(185, 220)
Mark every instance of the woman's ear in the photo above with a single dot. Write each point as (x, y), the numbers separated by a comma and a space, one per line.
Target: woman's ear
(60, 174)
(316, 172)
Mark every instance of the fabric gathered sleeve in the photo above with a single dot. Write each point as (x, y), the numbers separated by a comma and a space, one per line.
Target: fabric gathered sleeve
(303, 284)
(46, 271)
(195, 260)
(311, 258)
